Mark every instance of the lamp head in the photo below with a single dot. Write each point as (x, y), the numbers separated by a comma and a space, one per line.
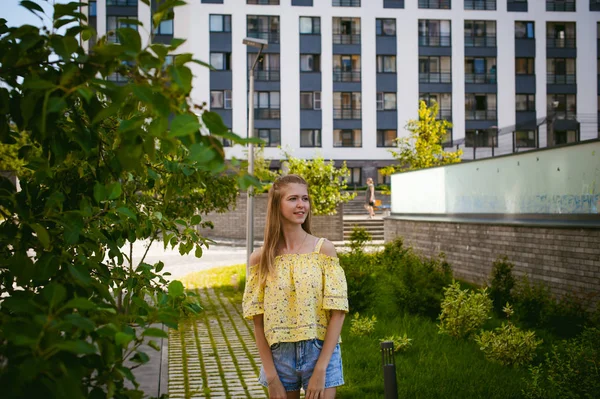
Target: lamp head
(254, 42)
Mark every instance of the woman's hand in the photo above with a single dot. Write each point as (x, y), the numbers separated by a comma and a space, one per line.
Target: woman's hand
(276, 389)
(316, 385)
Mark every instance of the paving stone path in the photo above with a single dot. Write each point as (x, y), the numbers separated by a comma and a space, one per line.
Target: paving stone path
(214, 356)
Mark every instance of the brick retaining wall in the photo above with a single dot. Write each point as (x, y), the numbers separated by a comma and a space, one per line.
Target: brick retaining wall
(232, 224)
(564, 259)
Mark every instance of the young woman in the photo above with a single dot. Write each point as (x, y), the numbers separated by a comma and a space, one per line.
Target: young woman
(296, 294)
(370, 198)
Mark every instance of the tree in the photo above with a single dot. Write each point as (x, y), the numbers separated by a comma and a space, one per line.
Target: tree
(326, 183)
(423, 149)
(109, 164)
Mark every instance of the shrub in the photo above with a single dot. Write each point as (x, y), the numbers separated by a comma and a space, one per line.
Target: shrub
(570, 370)
(362, 326)
(502, 283)
(463, 312)
(418, 284)
(361, 278)
(358, 238)
(508, 345)
(531, 303)
(401, 343)
(567, 316)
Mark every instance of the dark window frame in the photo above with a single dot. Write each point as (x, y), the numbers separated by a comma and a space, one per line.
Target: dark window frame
(225, 22)
(313, 31)
(383, 141)
(379, 27)
(317, 138)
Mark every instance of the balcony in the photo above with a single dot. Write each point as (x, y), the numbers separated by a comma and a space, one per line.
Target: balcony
(481, 115)
(444, 113)
(480, 41)
(435, 77)
(346, 39)
(440, 40)
(270, 36)
(480, 78)
(560, 5)
(344, 113)
(561, 42)
(488, 5)
(345, 3)
(266, 75)
(263, 2)
(346, 76)
(570, 114)
(554, 79)
(267, 113)
(435, 4)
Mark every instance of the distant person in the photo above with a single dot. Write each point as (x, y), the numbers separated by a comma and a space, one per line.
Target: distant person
(296, 293)
(370, 198)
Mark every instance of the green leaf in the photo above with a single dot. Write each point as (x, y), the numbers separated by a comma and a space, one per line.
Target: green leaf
(54, 293)
(99, 192)
(198, 252)
(42, 234)
(201, 153)
(196, 219)
(73, 224)
(127, 212)
(159, 266)
(128, 125)
(130, 38)
(214, 123)
(154, 345)
(176, 288)
(175, 43)
(246, 181)
(77, 347)
(114, 190)
(140, 357)
(155, 332)
(81, 304)
(123, 339)
(82, 277)
(184, 125)
(31, 6)
(182, 76)
(83, 323)
(144, 93)
(36, 83)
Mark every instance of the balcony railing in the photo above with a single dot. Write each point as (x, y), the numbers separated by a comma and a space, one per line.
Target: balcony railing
(561, 42)
(560, 5)
(263, 2)
(343, 113)
(569, 79)
(480, 41)
(480, 4)
(346, 3)
(267, 113)
(481, 115)
(435, 77)
(122, 3)
(268, 74)
(346, 39)
(444, 113)
(346, 76)
(347, 143)
(435, 4)
(440, 40)
(562, 114)
(270, 36)
(480, 78)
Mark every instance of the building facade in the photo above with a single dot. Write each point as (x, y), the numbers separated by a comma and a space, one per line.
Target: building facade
(341, 78)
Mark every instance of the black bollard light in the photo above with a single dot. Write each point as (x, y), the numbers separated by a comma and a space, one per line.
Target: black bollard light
(389, 370)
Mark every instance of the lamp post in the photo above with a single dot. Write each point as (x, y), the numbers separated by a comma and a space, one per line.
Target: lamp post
(261, 44)
(550, 127)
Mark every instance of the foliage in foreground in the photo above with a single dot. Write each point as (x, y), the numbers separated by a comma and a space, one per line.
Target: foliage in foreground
(502, 283)
(113, 165)
(362, 326)
(463, 311)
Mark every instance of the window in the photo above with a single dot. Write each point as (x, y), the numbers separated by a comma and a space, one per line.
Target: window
(220, 23)
(561, 70)
(560, 5)
(480, 5)
(310, 138)
(383, 179)
(524, 30)
(310, 100)
(164, 28)
(443, 100)
(525, 66)
(347, 138)
(122, 3)
(263, 27)
(561, 35)
(525, 139)
(263, 2)
(114, 22)
(562, 106)
(267, 67)
(93, 11)
(480, 107)
(435, 4)
(345, 3)
(386, 64)
(385, 27)
(271, 137)
(480, 33)
(266, 105)
(346, 68)
(386, 101)
(346, 30)
(221, 61)
(220, 99)
(310, 25)
(433, 33)
(481, 138)
(355, 176)
(435, 69)
(480, 70)
(386, 138)
(525, 102)
(310, 62)
(347, 105)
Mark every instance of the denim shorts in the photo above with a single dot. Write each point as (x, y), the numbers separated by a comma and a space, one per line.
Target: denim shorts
(295, 361)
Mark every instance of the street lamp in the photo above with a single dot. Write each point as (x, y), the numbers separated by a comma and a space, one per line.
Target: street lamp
(550, 128)
(261, 44)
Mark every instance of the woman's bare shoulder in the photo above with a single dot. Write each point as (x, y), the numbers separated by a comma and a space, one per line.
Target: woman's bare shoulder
(255, 256)
(328, 249)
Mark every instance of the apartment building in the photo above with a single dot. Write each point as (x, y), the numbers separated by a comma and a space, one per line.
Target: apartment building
(341, 78)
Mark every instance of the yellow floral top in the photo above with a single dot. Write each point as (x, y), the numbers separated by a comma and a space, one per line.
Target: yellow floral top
(296, 303)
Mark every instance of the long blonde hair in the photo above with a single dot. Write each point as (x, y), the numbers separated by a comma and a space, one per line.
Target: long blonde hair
(273, 230)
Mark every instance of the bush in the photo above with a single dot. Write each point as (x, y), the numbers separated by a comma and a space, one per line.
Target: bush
(361, 278)
(508, 345)
(417, 284)
(567, 316)
(362, 326)
(531, 303)
(570, 370)
(463, 312)
(502, 283)
(358, 238)
(401, 343)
